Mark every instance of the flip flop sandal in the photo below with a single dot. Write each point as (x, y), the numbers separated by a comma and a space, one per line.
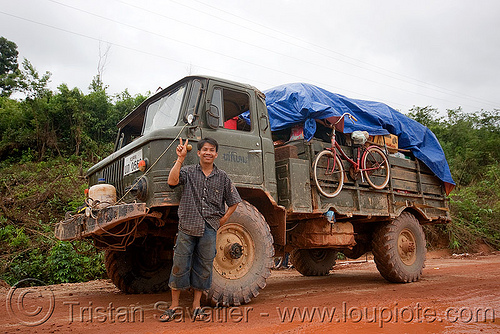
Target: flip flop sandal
(168, 315)
(198, 314)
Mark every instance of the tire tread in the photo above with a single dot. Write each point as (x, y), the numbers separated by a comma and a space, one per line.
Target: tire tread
(385, 253)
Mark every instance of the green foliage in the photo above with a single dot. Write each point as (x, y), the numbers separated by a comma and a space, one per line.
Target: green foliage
(8, 56)
(57, 262)
(476, 212)
(471, 144)
(34, 196)
(470, 141)
(47, 140)
(425, 116)
(66, 265)
(14, 237)
(31, 83)
(62, 123)
(8, 66)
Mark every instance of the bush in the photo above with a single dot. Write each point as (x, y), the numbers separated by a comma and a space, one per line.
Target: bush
(476, 212)
(47, 139)
(34, 196)
(470, 142)
(66, 265)
(61, 263)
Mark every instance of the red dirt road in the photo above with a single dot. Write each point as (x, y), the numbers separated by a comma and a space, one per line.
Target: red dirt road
(455, 295)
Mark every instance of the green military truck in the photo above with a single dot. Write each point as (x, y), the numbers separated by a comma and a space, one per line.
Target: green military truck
(282, 209)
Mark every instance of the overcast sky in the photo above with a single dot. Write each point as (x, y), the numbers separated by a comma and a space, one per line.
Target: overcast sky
(403, 53)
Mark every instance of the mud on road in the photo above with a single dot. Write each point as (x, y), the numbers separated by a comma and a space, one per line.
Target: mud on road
(457, 294)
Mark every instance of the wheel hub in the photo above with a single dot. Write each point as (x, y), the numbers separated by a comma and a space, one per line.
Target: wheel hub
(407, 247)
(235, 251)
(318, 255)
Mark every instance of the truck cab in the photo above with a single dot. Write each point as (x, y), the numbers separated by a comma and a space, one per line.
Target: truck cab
(194, 108)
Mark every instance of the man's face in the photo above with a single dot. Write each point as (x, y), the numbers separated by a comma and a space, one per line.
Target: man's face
(207, 153)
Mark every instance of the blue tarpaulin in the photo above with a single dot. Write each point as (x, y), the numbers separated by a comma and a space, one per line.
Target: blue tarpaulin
(300, 103)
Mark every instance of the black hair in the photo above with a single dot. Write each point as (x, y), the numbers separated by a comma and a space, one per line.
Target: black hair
(209, 140)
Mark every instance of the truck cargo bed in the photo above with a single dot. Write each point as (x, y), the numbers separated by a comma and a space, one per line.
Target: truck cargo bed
(411, 185)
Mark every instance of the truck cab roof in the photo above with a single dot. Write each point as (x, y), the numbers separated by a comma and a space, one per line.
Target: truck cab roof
(137, 115)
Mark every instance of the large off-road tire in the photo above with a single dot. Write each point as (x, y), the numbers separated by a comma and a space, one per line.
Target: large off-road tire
(244, 257)
(399, 249)
(141, 268)
(313, 262)
(357, 251)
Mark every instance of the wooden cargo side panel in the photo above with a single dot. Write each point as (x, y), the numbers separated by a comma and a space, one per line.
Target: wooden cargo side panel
(294, 187)
(403, 175)
(412, 184)
(431, 184)
(406, 177)
(410, 188)
(354, 201)
(356, 198)
(415, 185)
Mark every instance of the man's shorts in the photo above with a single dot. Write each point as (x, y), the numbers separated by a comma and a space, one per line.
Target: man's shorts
(193, 260)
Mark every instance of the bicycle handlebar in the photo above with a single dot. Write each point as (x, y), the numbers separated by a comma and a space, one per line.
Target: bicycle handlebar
(354, 119)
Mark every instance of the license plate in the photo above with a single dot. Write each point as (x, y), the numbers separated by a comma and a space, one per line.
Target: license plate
(131, 163)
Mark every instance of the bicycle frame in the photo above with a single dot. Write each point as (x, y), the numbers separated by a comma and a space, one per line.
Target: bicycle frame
(368, 161)
(336, 149)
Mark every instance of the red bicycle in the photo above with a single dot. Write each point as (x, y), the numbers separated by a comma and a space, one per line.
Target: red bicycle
(371, 165)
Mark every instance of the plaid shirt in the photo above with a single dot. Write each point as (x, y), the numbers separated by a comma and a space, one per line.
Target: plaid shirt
(204, 198)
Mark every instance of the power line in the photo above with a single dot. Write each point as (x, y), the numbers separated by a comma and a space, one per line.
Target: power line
(116, 44)
(242, 60)
(220, 53)
(171, 59)
(425, 84)
(266, 49)
(148, 53)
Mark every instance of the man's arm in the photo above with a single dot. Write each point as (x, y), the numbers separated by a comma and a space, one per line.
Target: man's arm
(173, 176)
(228, 214)
(231, 196)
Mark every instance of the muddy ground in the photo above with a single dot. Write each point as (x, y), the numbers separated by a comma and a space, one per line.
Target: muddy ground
(456, 294)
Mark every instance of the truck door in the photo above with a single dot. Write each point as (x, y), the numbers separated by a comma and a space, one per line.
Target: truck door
(240, 146)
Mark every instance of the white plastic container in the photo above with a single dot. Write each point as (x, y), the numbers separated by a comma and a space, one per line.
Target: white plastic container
(102, 195)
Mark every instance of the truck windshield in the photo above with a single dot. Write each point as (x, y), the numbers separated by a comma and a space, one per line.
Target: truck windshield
(164, 112)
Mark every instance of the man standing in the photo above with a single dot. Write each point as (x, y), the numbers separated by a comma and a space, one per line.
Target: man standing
(201, 212)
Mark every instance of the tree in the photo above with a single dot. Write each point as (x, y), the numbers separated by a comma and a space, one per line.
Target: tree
(9, 69)
(38, 96)
(470, 141)
(427, 116)
(68, 117)
(31, 83)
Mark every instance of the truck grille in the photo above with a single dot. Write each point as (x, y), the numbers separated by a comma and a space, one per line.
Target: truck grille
(114, 175)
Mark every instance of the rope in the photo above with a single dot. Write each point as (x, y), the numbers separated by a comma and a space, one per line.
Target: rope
(147, 171)
(92, 204)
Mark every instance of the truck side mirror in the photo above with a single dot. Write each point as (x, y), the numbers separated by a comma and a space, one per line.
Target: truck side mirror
(213, 116)
(193, 102)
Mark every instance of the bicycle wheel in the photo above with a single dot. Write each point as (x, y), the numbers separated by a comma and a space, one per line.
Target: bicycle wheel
(377, 170)
(328, 173)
